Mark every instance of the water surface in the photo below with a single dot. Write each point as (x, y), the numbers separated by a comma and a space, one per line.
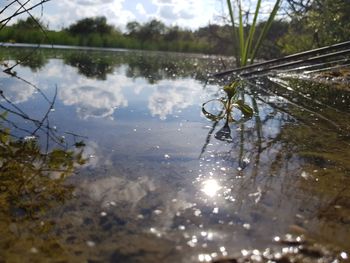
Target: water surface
(147, 177)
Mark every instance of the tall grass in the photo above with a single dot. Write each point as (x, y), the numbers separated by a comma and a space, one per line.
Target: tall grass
(246, 46)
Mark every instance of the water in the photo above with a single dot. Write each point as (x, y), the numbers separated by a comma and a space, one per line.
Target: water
(136, 173)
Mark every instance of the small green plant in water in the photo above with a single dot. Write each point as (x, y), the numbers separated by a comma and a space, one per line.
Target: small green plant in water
(230, 102)
(244, 49)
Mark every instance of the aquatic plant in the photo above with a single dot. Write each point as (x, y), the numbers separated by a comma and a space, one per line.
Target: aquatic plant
(228, 103)
(244, 49)
(33, 180)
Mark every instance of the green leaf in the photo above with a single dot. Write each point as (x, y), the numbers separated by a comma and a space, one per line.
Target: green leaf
(244, 108)
(251, 34)
(234, 31)
(241, 33)
(231, 89)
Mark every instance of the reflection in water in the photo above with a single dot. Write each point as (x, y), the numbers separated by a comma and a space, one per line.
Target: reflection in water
(31, 178)
(211, 187)
(90, 66)
(144, 196)
(15, 90)
(171, 95)
(93, 101)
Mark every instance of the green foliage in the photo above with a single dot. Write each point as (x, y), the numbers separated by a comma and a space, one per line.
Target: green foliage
(270, 48)
(91, 25)
(325, 22)
(96, 32)
(29, 24)
(330, 21)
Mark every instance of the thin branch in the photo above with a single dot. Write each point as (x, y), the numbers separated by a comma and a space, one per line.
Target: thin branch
(24, 11)
(47, 113)
(35, 21)
(8, 19)
(7, 6)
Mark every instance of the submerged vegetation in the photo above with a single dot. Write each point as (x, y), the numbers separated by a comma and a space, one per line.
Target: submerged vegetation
(33, 181)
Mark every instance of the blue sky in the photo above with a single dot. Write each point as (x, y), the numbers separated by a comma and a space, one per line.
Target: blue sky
(189, 14)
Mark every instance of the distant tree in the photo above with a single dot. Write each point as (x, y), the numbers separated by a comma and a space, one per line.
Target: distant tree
(29, 24)
(91, 25)
(152, 30)
(172, 34)
(133, 28)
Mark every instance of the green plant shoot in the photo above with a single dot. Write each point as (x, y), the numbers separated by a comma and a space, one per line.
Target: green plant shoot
(244, 49)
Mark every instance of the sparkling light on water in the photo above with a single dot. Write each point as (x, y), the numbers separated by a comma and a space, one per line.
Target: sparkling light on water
(211, 187)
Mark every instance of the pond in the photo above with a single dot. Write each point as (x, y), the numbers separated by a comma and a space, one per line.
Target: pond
(108, 157)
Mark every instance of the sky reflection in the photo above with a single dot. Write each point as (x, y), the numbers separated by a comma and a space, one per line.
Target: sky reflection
(210, 187)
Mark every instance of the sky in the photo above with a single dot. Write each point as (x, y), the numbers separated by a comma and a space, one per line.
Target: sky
(184, 13)
(189, 14)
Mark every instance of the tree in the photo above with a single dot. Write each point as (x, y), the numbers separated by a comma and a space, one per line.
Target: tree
(29, 24)
(91, 25)
(133, 28)
(319, 23)
(152, 30)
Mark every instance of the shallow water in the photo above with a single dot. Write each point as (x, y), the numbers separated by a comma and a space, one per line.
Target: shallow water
(146, 178)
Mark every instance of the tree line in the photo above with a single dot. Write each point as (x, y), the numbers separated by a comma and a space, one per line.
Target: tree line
(308, 24)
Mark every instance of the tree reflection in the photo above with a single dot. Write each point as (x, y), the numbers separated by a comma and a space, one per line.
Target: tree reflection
(33, 59)
(97, 67)
(152, 66)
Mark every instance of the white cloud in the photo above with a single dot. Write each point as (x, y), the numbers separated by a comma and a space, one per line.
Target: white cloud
(65, 12)
(186, 13)
(167, 12)
(140, 9)
(94, 2)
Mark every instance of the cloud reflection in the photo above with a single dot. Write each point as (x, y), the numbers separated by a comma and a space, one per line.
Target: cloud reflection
(15, 90)
(171, 95)
(94, 99)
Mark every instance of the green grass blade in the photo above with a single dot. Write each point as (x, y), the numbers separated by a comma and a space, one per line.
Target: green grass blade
(241, 33)
(235, 35)
(251, 34)
(265, 30)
